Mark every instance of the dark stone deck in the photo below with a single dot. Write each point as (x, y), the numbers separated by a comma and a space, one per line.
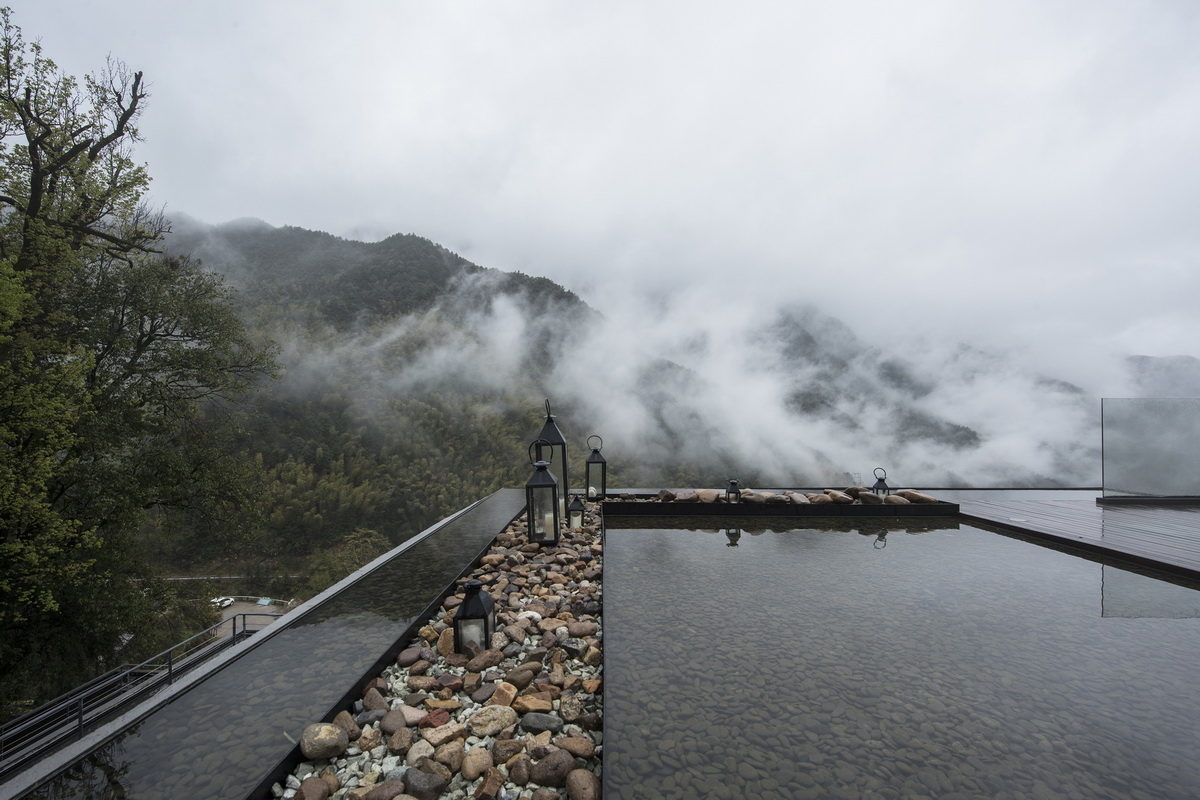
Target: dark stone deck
(1160, 537)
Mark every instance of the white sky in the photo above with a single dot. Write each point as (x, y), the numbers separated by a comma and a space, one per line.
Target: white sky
(1019, 173)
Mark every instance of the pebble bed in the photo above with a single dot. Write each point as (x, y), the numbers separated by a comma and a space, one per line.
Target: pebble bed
(519, 721)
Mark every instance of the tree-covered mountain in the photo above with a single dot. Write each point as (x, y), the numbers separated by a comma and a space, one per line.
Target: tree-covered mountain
(412, 383)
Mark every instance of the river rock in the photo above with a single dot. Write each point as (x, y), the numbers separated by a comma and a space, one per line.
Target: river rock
(451, 754)
(895, 500)
(522, 676)
(537, 723)
(839, 497)
(388, 790)
(445, 733)
(323, 740)
(576, 746)
(400, 741)
(504, 749)
(526, 704)
(504, 693)
(421, 683)
(313, 788)
(553, 769)
(916, 497)
(486, 659)
(582, 784)
(420, 749)
(869, 498)
(423, 785)
(445, 642)
(408, 657)
(490, 720)
(370, 739)
(707, 495)
(819, 499)
(581, 629)
(346, 722)
(436, 718)
(519, 768)
(489, 788)
(475, 762)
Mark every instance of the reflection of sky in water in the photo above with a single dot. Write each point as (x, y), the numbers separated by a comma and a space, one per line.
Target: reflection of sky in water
(854, 667)
(1131, 594)
(224, 735)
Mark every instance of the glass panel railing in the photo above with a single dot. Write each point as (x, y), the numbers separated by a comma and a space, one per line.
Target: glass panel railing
(1151, 447)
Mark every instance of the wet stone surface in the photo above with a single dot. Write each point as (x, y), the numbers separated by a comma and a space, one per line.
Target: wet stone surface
(520, 720)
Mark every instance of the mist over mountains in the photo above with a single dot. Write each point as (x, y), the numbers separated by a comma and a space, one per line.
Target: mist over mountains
(685, 393)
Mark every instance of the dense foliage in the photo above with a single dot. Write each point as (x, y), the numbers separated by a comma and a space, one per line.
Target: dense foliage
(115, 365)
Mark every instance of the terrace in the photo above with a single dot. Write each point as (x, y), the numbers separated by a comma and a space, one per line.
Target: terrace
(862, 715)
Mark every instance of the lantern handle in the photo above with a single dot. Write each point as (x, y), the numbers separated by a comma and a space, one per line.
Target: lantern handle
(879, 470)
(534, 444)
(880, 541)
(598, 447)
(548, 414)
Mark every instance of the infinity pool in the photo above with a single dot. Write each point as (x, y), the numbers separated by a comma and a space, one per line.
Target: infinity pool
(875, 663)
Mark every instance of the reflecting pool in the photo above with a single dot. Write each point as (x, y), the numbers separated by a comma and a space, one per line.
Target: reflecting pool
(876, 662)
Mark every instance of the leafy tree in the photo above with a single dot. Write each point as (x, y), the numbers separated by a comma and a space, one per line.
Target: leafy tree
(117, 365)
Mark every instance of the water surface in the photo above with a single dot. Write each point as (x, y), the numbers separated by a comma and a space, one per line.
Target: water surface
(935, 663)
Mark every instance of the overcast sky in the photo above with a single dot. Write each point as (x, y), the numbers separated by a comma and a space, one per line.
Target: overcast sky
(1010, 172)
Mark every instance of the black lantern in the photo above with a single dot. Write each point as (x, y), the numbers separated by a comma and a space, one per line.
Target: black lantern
(542, 501)
(596, 471)
(552, 448)
(733, 537)
(475, 620)
(733, 494)
(880, 487)
(575, 513)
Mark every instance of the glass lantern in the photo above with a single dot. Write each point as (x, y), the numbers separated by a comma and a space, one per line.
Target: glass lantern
(542, 501)
(880, 487)
(552, 448)
(596, 471)
(575, 513)
(475, 620)
(733, 494)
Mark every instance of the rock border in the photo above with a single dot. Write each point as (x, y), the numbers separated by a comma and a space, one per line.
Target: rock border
(519, 721)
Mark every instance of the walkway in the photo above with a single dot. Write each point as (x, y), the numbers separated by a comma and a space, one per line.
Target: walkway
(1166, 538)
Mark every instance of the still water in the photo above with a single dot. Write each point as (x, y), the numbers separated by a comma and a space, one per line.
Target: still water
(868, 663)
(227, 733)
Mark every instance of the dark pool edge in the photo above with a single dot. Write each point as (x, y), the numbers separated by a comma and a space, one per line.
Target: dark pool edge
(648, 508)
(40, 773)
(1085, 546)
(286, 765)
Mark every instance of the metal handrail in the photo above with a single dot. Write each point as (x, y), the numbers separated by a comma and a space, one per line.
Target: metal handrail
(69, 715)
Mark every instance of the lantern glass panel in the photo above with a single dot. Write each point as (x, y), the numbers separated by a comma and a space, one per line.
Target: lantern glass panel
(471, 635)
(543, 516)
(596, 480)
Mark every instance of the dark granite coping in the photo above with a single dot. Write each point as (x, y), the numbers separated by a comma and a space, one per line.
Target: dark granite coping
(653, 508)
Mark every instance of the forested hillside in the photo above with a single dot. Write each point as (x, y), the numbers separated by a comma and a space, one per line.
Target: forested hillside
(367, 436)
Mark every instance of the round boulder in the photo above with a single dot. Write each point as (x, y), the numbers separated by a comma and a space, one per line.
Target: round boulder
(323, 740)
